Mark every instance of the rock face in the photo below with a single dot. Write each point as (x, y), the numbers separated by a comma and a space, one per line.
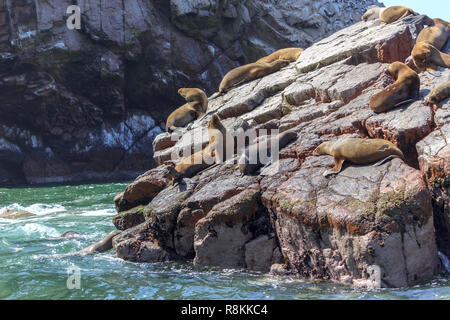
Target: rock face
(372, 226)
(87, 104)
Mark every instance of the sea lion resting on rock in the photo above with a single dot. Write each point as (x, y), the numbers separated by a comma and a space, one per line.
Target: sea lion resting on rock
(215, 151)
(190, 166)
(249, 72)
(244, 162)
(394, 13)
(426, 56)
(372, 14)
(358, 151)
(288, 54)
(405, 87)
(436, 35)
(195, 95)
(184, 115)
(439, 93)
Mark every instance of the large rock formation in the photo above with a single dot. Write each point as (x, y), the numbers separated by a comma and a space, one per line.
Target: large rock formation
(86, 104)
(368, 225)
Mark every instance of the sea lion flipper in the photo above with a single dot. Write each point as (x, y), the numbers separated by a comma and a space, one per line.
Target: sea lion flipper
(336, 169)
(388, 158)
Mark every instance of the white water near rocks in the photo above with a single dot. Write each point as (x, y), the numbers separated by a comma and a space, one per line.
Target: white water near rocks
(32, 267)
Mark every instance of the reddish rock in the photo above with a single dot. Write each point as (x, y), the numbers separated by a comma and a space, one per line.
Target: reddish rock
(228, 228)
(403, 126)
(144, 188)
(130, 218)
(434, 161)
(365, 216)
(136, 245)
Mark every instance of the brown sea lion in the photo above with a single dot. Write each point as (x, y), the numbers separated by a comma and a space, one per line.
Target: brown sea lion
(184, 115)
(428, 57)
(245, 161)
(219, 139)
(190, 166)
(195, 95)
(441, 92)
(394, 13)
(288, 54)
(102, 246)
(436, 35)
(372, 14)
(214, 152)
(357, 151)
(405, 87)
(249, 72)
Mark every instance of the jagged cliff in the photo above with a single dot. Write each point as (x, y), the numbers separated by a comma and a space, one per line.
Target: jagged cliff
(366, 223)
(86, 104)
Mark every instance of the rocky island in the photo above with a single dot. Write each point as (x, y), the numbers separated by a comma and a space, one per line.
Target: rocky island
(366, 223)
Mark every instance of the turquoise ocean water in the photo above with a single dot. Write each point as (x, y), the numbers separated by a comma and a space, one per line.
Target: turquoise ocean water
(31, 266)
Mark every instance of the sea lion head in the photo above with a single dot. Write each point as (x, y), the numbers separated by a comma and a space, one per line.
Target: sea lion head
(428, 21)
(420, 54)
(395, 68)
(370, 13)
(322, 149)
(281, 63)
(182, 92)
(215, 122)
(440, 21)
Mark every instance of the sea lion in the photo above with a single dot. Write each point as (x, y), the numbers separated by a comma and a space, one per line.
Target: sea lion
(195, 95)
(405, 87)
(219, 139)
(190, 166)
(394, 13)
(249, 72)
(436, 35)
(246, 168)
(288, 54)
(102, 246)
(184, 115)
(441, 92)
(70, 234)
(357, 151)
(372, 14)
(15, 214)
(428, 57)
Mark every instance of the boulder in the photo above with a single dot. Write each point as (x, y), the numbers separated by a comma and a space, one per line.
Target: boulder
(133, 245)
(231, 228)
(144, 188)
(335, 229)
(130, 218)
